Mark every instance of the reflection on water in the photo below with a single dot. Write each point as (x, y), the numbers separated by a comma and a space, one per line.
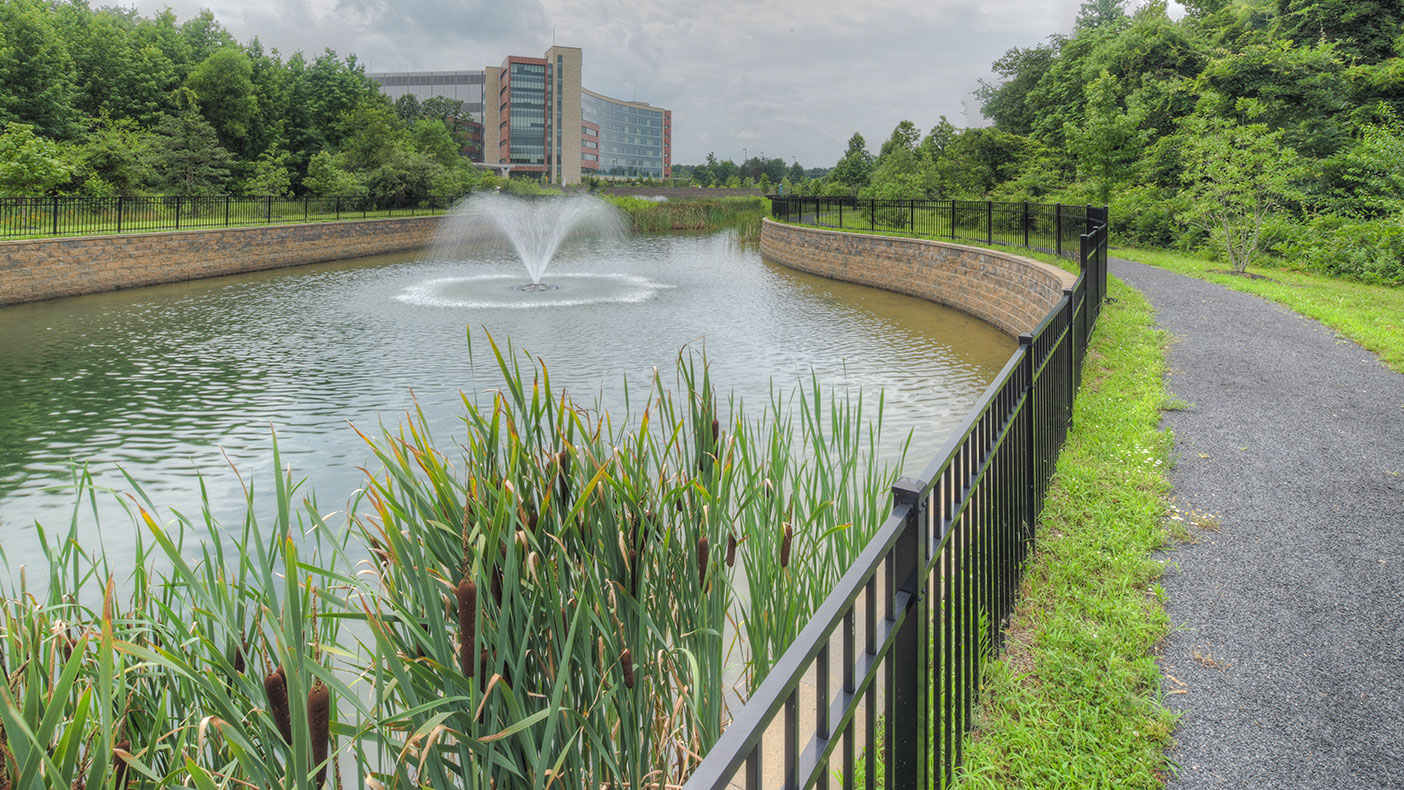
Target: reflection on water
(167, 381)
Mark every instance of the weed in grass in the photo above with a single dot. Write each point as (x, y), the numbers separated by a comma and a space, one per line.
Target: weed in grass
(1205, 656)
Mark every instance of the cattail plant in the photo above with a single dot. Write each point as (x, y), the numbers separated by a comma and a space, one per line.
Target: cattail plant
(119, 764)
(467, 595)
(319, 727)
(703, 554)
(626, 662)
(785, 545)
(730, 549)
(275, 688)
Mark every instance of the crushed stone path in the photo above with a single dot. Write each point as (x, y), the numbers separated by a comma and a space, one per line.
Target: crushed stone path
(1287, 662)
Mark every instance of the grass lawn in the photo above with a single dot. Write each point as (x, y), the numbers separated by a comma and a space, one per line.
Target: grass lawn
(1371, 315)
(1074, 702)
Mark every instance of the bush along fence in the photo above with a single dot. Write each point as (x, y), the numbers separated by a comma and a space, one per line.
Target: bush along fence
(1050, 228)
(43, 217)
(937, 581)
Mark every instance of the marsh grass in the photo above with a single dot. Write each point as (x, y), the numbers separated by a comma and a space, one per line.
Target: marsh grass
(699, 214)
(551, 598)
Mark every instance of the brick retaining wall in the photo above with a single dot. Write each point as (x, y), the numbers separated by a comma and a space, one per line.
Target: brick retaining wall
(50, 268)
(1012, 292)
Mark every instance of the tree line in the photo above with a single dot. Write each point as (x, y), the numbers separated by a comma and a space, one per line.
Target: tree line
(108, 102)
(1246, 128)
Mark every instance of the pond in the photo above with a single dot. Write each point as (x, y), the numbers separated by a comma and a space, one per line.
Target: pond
(178, 385)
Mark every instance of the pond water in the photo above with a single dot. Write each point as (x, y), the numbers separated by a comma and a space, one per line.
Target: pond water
(175, 383)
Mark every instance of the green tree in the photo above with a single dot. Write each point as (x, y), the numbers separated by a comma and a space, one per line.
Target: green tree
(407, 107)
(1238, 176)
(187, 158)
(1006, 102)
(325, 176)
(223, 83)
(270, 175)
(1109, 141)
(114, 157)
(36, 71)
(1100, 13)
(855, 167)
(1367, 29)
(30, 164)
(906, 136)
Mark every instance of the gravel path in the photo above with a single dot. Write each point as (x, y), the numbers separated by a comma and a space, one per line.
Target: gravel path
(1287, 662)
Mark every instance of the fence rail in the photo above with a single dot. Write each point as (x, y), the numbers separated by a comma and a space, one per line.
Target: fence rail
(1050, 228)
(948, 558)
(44, 217)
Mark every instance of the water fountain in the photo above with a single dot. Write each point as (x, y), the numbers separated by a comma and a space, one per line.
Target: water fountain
(535, 228)
(484, 233)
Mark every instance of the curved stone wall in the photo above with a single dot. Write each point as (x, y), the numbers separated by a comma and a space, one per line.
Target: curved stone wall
(1010, 291)
(50, 268)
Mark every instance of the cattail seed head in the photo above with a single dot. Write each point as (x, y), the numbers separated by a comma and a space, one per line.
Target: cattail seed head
(634, 572)
(716, 430)
(532, 520)
(467, 595)
(119, 765)
(379, 551)
(730, 549)
(785, 545)
(275, 688)
(319, 727)
(238, 659)
(703, 554)
(626, 660)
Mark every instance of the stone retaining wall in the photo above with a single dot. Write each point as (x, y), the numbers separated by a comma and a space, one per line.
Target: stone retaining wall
(1012, 292)
(50, 268)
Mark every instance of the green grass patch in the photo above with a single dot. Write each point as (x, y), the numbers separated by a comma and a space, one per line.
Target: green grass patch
(1371, 315)
(1074, 700)
(650, 216)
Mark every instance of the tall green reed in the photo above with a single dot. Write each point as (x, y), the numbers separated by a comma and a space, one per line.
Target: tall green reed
(562, 599)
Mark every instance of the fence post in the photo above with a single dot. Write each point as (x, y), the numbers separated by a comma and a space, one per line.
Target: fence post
(1026, 224)
(1058, 231)
(840, 204)
(338, 206)
(989, 222)
(911, 217)
(872, 213)
(1030, 430)
(177, 213)
(1072, 339)
(269, 213)
(119, 213)
(911, 652)
(54, 205)
(953, 218)
(305, 200)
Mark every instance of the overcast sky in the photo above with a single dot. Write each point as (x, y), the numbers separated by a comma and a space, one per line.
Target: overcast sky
(785, 78)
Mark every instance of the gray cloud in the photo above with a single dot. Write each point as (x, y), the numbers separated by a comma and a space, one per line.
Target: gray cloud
(792, 79)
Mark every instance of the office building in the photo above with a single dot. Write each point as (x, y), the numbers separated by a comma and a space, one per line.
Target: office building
(538, 120)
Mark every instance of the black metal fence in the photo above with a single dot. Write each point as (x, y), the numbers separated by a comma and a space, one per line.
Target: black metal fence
(1050, 228)
(943, 569)
(41, 217)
